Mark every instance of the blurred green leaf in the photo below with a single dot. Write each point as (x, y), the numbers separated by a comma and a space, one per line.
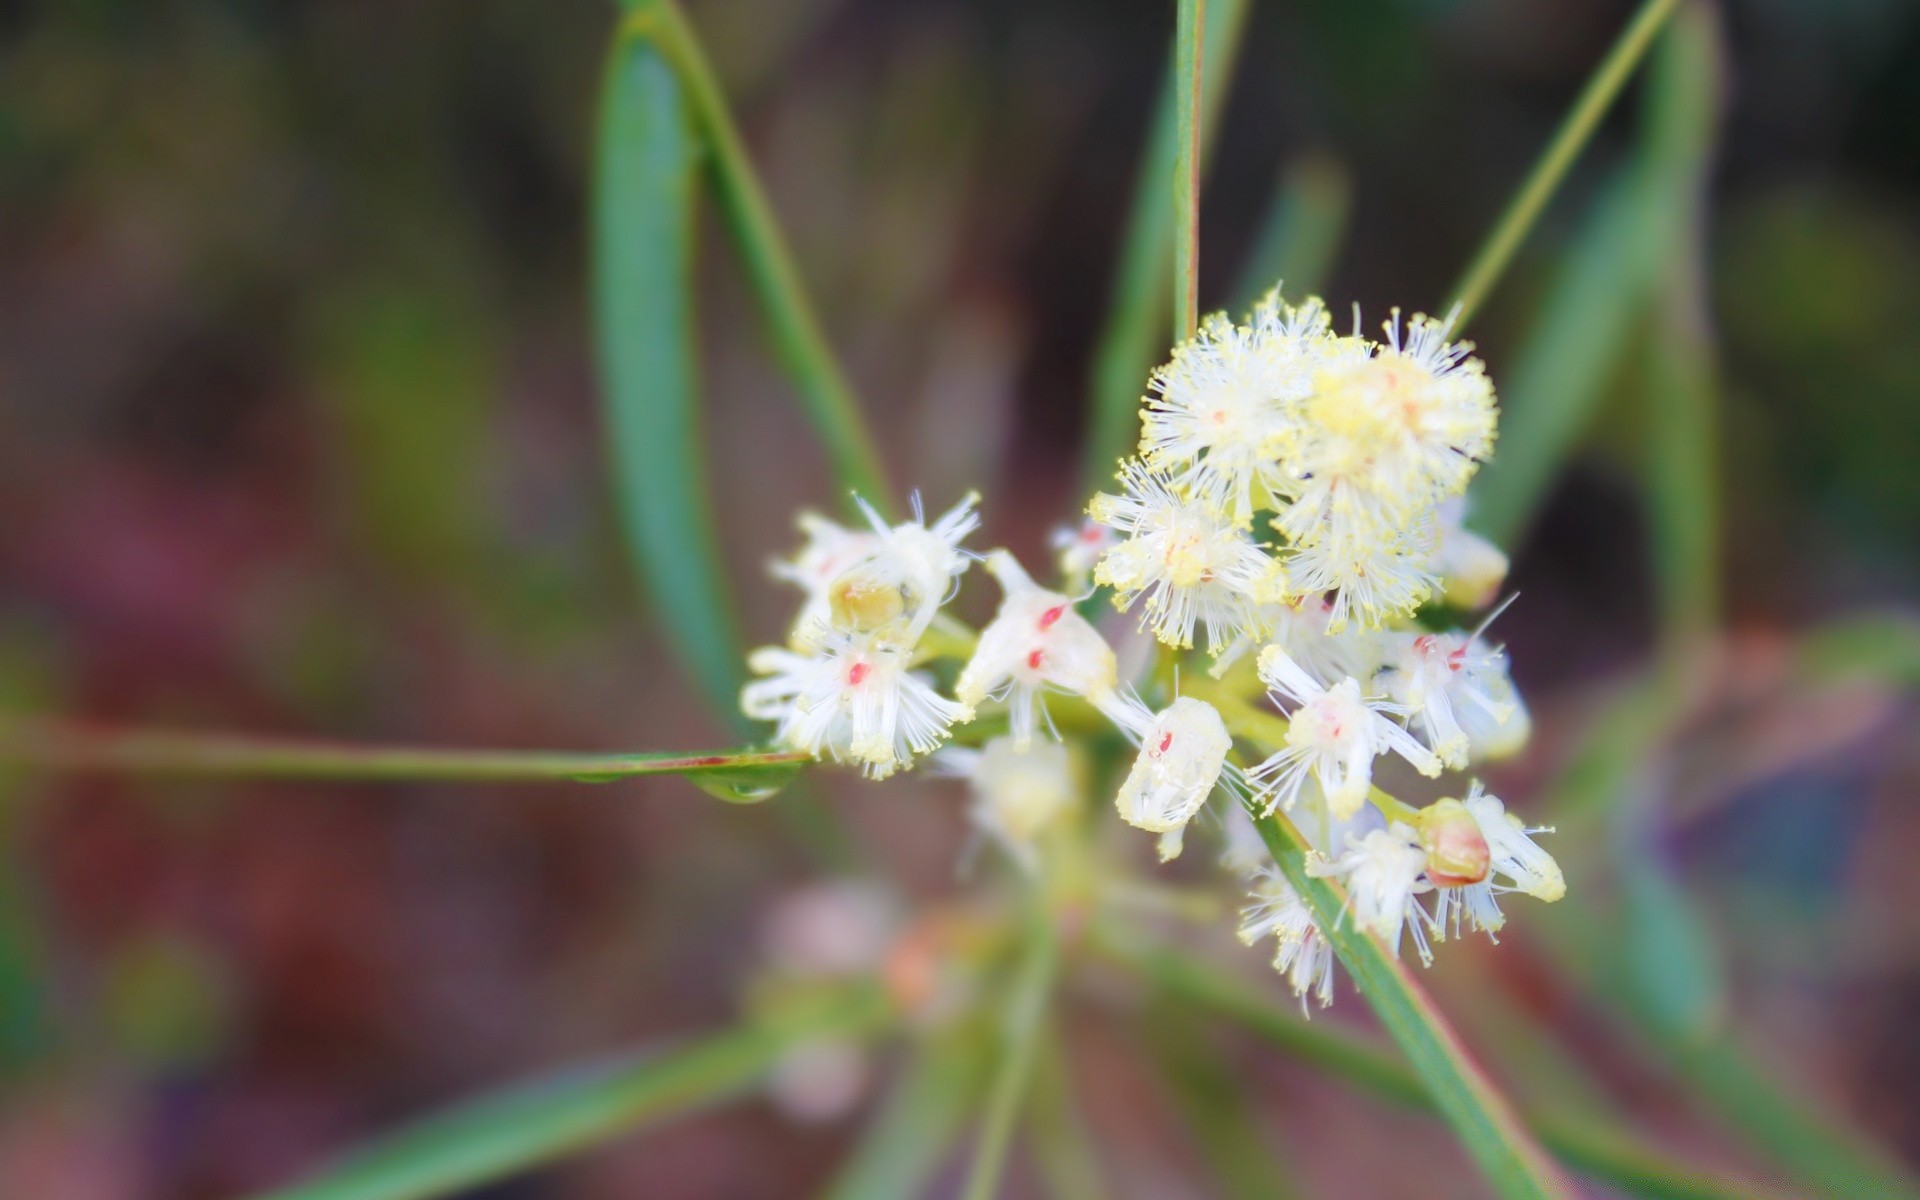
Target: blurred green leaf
(1023, 1018)
(534, 1123)
(915, 1127)
(1189, 42)
(1683, 473)
(740, 776)
(1064, 1153)
(1133, 338)
(1301, 233)
(1671, 963)
(1883, 646)
(643, 250)
(798, 341)
(1236, 1149)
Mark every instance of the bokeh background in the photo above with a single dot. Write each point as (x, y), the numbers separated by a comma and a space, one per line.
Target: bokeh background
(298, 434)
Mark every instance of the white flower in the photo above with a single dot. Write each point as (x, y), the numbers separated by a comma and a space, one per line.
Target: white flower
(854, 699)
(1333, 734)
(1079, 547)
(1302, 953)
(1470, 568)
(1383, 873)
(1375, 575)
(1302, 626)
(1515, 864)
(1220, 409)
(1035, 641)
(1018, 793)
(1455, 691)
(1182, 752)
(1192, 564)
(1393, 433)
(908, 574)
(830, 549)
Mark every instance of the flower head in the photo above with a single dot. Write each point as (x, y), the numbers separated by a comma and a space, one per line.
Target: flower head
(1514, 864)
(1193, 565)
(853, 699)
(1470, 568)
(1182, 752)
(830, 549)
(1383, 872)
(1301, 953)
(1018, 792)
(1333, 735)
(1035, 641)
(1455, 691)
(906, 575)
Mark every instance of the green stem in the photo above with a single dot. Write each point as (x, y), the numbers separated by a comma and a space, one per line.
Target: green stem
(1575, 130)
(797, 337)
(1024, 1018)
(525, 1126)
(1601, 1152)
(1188, 40)
(63, 746)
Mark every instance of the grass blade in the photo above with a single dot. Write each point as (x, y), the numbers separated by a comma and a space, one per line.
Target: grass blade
(1301, 233)
(798, 341)
(739, 775)
(1481, 1117)
(1024, 1018)
(1236, 1150)
(1188, 37)
(1132, 339)
(534, 1123)
(1068, 1164)
(1602, 88)
(917, 1124)
(643, 249)
(1587, 1146)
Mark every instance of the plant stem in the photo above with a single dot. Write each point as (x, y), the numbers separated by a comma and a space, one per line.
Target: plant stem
(797, 337)
(62, 746)
(1024, 1017)
(1189, 38)
(1575, 130)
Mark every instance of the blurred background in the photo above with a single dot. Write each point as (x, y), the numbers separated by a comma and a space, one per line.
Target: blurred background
(298, 435)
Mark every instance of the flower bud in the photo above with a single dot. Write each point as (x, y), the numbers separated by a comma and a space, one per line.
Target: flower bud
(1181, 754)
(1457, 851)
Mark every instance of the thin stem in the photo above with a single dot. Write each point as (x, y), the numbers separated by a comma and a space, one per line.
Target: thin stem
(63, 746)
(1025, 1016)
(1575, 130)
(1607, 1154)
(797, 337)
(1189, 37)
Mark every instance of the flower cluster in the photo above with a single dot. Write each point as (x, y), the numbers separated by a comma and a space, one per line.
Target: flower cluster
(1297, 495)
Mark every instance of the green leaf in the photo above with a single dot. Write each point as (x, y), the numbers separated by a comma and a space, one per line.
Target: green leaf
(798, 341)
(1238, 1152)
(643, 252)
(534, 1123)
(1301, 233)
(1481, 1117)
(740, 776)
(1023, 1019)
(1671, 963)
(1063, 1151)
(1602, 88)
(918, 1122)
(1587, 1145)
(1682, 465)
(1188, 39)
(1134, 338)
(1879, 646)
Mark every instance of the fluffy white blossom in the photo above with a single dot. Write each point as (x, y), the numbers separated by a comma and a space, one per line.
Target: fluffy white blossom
(1333, 735)
(1514, 864)
(1182, 752)
(1018, 793)
(1469, 567)
(1301, 953)
(1192, 564)
(853, 699)
(1455, 691)
(1220, 410)
(906, 576)
(1383, 872)
(830, 548)
(1374, 577)
(1036, 641)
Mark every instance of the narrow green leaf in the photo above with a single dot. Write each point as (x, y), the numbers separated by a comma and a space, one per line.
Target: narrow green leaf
(1881, 646)
(1069, 1165)
(1588, 1146)
(1481, 1117)
(741, 776)
(535, 1123)
(1024, 1017)
(1302, 231)
(1238, 1152)
(917, 1124)
(798, 341)
(1189, 35)
(1599, 291)
(1133, 338)
(1682, 469)
(643, 251)
(1671, 963)
(1575, 130)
